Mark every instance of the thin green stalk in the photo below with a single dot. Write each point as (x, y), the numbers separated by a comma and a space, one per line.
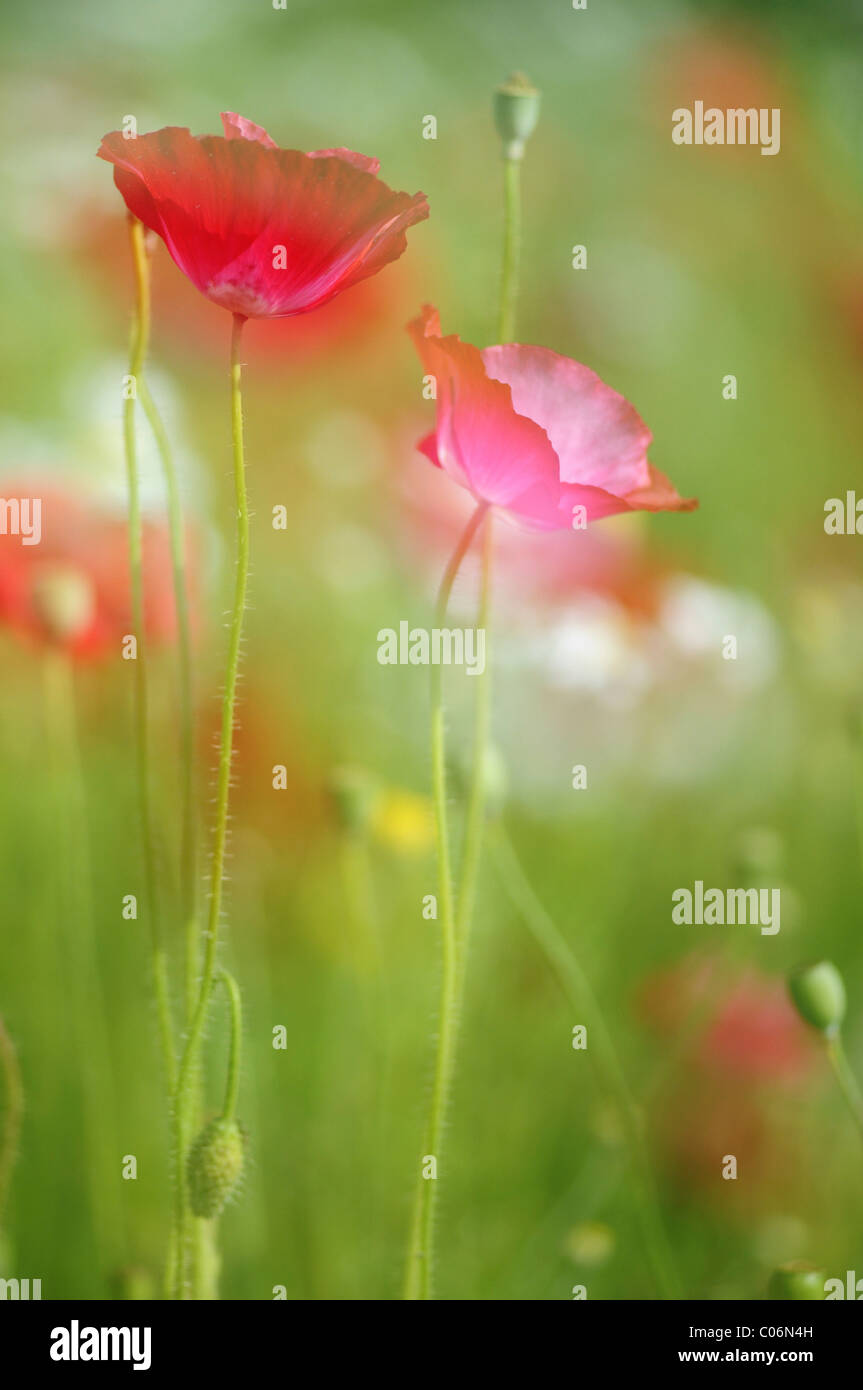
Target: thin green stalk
(195, 1035)
(188, 835)
(232, 1084)
(846, 1078)
(475, 819)
(511, 249)
(187, 725)
(420, 1265)
(13, 1110)
(138, 353)
(576, 987)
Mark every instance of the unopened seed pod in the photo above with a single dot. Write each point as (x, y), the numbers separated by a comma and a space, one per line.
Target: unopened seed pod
(818, 993)
(516, 112)
(215, 1166)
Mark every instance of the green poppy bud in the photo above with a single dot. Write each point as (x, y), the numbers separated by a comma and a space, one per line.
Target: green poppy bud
(797, 1282)
(516, 112)
(819, 995)
(215, 1165)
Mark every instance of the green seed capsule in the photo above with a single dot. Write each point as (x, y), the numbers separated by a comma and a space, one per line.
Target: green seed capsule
(516, 112)
(819, 995)
(797, 1282)
(215, 1166)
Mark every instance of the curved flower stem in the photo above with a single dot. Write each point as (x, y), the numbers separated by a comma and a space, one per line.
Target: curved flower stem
(187, 726)
(511, 249)
(474, 822)
(232, 1085)
(846, 1078)
(188, 884)
(420, 1265)
(13, 1095)
(138, 353)
(577, 989)
(195, 1035)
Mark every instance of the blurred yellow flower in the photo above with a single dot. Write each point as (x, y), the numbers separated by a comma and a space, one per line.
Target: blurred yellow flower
(402, 821)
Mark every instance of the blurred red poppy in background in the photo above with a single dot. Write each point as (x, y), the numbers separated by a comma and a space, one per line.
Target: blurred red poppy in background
(736, 1040)
(739, 1022)
(71, 589)
(261, 231)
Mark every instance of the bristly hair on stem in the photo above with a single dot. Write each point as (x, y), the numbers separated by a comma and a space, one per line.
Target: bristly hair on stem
(194, 1039)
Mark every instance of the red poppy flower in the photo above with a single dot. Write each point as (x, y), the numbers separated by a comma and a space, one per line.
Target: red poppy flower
(71, 589)
(185, 323)
(263, 232)
(536, 434)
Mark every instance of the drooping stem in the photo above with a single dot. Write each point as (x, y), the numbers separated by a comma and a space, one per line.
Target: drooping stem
(13, 1108)
(187, 726)
(847, 1080)
(576, 987)
(232, 1084)
(419, 1274)
(138, 353)
(511, 248)
(195, 1035)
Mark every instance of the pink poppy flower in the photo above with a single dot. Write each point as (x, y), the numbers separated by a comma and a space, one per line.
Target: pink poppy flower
(263, 232)
(540, 573)
(536, 434)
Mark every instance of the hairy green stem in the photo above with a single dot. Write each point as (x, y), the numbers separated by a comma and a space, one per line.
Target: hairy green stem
(195, 1035)
(576, 987)
(420, 1265)
(188, 835)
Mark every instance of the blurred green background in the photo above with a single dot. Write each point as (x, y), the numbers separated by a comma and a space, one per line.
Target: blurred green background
(701, 262)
